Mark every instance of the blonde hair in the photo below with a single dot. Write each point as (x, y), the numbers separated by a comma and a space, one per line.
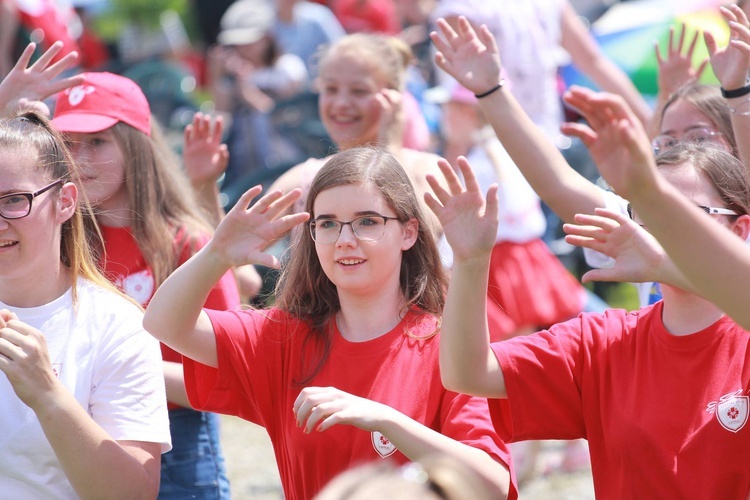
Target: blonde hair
(434, 477)
(165, 214)
(386, 54)
(31, 132)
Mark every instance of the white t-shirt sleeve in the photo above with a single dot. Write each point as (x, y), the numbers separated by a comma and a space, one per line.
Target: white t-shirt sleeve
(128, 397)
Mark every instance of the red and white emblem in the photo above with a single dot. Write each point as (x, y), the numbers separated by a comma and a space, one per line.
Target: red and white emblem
(382, 444)
(139, 285)
(77, 93)
(732, 413)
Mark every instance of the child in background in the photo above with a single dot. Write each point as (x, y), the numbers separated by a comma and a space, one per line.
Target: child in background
(151, 224)
(343, 369)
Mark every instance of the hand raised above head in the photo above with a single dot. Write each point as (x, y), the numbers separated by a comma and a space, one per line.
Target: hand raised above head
(731, 63)
(36, 82)
(204, 155)
(469, 56)
(469, 219)
(676, 65)
(246, 231)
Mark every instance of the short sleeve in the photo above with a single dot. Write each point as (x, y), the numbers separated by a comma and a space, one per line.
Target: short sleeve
(543, 374)
(128, 399)
(242, 384)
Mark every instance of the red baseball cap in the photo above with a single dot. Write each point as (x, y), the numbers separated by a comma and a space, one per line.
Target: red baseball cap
(102, 100)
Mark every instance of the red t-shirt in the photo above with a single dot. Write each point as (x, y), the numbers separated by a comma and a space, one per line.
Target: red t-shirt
(124, 265)
(260, 355)
(665, 416)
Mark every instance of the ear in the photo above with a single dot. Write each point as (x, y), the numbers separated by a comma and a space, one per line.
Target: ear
(741, 226)
(67, 202)
(411, 233)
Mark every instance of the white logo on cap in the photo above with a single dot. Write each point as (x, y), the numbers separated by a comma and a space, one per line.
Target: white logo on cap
(77, 93)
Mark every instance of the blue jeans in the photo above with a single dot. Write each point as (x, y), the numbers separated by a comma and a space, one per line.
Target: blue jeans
(194, 468)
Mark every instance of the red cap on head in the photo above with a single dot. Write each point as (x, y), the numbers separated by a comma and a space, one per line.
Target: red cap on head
(102, 100)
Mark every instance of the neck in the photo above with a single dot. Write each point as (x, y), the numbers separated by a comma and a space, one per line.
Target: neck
(23, 292)
(685, 313)
(366, 318)
(119, 217)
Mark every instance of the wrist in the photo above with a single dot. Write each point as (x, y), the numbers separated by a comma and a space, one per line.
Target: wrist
(491, 90)
(734, 92)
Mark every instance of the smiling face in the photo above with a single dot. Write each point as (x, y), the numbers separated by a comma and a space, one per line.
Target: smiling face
(102, 169)
(362, 268)
(348, 106)
(30, 247)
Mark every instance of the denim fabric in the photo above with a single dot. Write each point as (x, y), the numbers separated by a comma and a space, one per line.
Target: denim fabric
(194, 468)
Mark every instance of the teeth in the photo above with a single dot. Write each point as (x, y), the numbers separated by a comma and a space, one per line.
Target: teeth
(350, 262)
(7, 243)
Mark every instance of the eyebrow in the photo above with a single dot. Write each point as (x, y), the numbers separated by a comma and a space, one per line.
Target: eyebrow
(356, 214)
(693, 127)
(15, 191)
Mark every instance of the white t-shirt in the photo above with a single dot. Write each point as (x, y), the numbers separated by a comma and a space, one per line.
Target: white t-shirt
(110, 364)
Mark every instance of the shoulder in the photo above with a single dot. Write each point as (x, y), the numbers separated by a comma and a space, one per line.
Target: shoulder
(295, 176)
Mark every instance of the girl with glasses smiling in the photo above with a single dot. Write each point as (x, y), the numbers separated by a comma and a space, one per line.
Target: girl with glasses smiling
(83, 412)
(344, 368)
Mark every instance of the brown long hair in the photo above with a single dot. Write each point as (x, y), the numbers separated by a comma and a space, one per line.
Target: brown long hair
(165, 213)
(727, 174)
(305, 291)
(31, 131)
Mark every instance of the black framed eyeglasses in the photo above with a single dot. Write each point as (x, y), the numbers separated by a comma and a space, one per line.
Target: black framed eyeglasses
(365, 228)
(18, 205)
(708, 210)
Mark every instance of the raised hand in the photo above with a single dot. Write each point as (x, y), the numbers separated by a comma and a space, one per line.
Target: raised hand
(731, 63)
(469, 220)
(616, 139)
(244, 234)
(638, 256)
(320, 408)
(676, 66)
(35, 82)
(25, 361)
(471, 58)
(204, 155)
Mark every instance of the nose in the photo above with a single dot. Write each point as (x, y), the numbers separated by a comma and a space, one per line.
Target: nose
(346, 236)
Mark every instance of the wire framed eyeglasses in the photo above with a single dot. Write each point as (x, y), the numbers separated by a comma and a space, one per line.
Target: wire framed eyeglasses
(365, 228)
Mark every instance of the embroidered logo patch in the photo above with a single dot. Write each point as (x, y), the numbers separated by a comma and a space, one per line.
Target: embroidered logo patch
(382, 445)
(731, 410)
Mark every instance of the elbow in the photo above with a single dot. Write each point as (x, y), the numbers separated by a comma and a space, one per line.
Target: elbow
(453, 381)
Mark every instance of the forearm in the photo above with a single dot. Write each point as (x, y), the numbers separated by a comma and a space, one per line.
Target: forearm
(741, 127)
(208, 198)
(173, 315)
(417, 441)
(718, 267)
(96, 465)
(557, 184)
(467, 364)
